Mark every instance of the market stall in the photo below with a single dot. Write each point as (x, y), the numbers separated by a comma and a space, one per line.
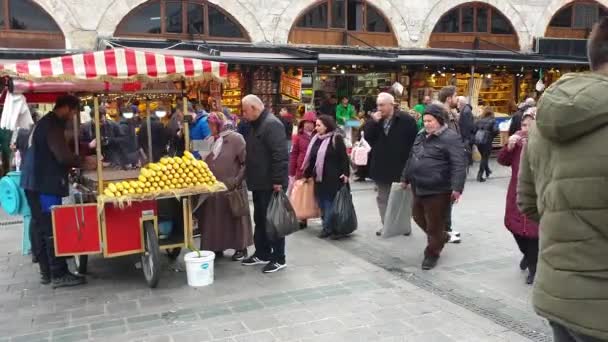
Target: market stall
(117, 211)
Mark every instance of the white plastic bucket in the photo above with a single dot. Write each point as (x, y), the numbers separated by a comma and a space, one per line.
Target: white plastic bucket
(199, 269)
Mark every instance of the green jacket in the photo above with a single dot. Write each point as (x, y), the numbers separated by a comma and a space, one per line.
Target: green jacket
(344, 114)
(563, 183)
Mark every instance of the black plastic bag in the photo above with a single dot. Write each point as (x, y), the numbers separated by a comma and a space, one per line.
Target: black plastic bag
(343, 218)
(280, 217)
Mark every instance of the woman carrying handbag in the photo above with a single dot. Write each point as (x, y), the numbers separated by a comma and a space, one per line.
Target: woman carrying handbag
(328, 164)
(224, 218)
(299, 146)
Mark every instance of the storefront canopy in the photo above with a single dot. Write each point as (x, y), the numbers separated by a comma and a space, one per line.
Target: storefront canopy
(116, 66)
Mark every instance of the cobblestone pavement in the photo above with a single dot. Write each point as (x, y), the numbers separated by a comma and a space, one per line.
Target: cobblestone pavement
(359, 289)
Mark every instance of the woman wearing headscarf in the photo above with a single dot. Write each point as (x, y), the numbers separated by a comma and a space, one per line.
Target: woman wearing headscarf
(524, 230)
(220, 229)
(327, 162)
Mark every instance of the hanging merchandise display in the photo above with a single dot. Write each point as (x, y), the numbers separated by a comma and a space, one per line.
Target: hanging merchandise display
(291, 83)
(233, 92)
(265, 85)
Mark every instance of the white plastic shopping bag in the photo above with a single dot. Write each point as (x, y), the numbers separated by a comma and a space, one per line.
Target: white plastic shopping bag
(398, 217)
(360, 152)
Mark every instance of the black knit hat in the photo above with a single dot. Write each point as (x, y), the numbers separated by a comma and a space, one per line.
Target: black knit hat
(438, 111)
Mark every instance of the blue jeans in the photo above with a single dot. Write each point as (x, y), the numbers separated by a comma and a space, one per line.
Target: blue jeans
(326, 202)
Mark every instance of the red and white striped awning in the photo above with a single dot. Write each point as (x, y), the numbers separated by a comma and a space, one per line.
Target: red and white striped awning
(116, 65)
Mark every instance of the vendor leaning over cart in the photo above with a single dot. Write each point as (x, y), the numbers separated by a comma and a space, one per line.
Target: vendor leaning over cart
(110, 139)
(45, 180)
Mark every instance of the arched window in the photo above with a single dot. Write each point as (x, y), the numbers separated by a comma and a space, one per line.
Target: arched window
(474, 23)
(24, 24)
(576, 20)
(181, 19)
(342, 22)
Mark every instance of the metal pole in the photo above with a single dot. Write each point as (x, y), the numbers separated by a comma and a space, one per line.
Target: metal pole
(149, 131)
(76, 134)
(472, 84)
(185, 124)
(98, 146)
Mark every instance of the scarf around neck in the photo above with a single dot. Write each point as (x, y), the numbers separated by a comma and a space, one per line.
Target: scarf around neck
(320, 162)
(216, 147)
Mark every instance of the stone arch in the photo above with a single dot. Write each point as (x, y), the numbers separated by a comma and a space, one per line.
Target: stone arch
(554, 5)
(120, 9)
(505, 7)
(287, 19)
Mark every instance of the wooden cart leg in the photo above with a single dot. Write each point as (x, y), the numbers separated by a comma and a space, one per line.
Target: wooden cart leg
(81, 262)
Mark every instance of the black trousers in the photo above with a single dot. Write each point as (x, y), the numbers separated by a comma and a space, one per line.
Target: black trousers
(42, 239)
(448, 219)
(529, 248)
(563, 334)
(485, 150)
(264, 248)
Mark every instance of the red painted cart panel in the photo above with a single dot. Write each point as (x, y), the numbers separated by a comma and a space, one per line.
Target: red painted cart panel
(123, 231)
(76, 229)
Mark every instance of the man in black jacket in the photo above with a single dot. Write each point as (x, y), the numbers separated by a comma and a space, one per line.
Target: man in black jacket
(267, 169)
(45, 181)
(467, 126)
(436, 172)
(391, 135)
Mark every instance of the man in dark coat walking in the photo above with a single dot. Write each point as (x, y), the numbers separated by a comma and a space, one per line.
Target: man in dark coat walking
(267, 168)
(467, 126)
(391, 135)
(45, 181)
(436, 172)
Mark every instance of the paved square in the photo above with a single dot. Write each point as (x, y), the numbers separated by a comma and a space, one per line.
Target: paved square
(363, 288)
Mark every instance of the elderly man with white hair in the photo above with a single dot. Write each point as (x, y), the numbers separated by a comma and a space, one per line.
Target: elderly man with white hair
(517, 116)
(266, 170)
(391, 135)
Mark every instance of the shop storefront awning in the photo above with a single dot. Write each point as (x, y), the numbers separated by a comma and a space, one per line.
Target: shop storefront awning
(266, 54)
(422, 59)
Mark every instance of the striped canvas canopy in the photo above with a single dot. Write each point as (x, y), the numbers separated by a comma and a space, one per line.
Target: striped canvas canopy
(116, 65)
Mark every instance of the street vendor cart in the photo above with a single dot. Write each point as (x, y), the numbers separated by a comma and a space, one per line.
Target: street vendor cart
(116, 211)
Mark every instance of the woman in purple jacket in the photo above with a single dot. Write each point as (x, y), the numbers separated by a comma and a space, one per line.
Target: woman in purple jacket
(524, 230)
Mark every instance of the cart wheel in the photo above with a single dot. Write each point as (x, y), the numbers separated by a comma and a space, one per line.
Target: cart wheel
(150, 260)
(174, 253)
(81, 263)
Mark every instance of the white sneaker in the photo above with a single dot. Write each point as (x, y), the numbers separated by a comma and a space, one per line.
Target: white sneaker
(454, 237)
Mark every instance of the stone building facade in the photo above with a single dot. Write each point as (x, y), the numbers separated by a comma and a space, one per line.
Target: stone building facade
(270, 21)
